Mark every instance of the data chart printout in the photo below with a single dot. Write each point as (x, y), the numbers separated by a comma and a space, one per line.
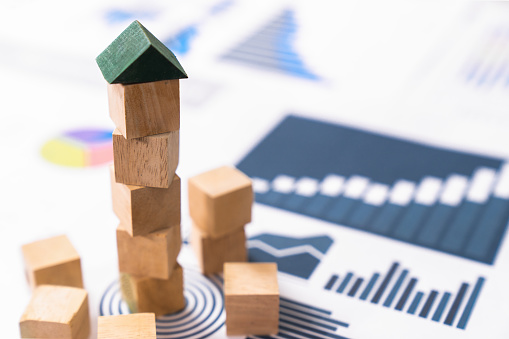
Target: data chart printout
(424, 224)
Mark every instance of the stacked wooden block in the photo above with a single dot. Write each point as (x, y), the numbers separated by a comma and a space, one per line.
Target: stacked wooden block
(220, 203)
(59, 304)
(144, 104)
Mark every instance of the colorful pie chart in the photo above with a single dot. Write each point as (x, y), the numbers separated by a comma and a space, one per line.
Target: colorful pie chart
(80, 148)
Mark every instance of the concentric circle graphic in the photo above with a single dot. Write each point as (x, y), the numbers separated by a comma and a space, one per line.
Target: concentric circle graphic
(202, 316)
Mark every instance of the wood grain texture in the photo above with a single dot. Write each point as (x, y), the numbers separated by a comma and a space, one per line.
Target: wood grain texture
(52, 261)
(220, 200)
(127, 326)
(136, 55)
(56, 312)
(140, 110)
(153, 255)
(148, 161)
(212, 253)
(251, 298)
(143, 210)
(160, 296)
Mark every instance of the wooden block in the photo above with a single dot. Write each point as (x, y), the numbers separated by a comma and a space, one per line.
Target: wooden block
(56, 312)
(153, 255)
(138, 56)
(143, 210)
(52, 261)
(251, 298)
(220, 200)
(148, 161)
(139, 326)
(140, 110)
(160, 296)
(212, 253)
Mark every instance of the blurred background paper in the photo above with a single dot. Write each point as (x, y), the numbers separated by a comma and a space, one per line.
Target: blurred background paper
(423, 75)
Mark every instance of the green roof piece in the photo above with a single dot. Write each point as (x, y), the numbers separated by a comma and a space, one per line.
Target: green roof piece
(138, 56)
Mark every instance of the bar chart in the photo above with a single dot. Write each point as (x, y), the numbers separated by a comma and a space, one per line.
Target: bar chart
(444, 200)
(398, 290)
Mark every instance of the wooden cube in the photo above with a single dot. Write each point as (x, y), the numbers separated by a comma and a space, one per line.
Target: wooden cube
(52, 261)
(143, 109)
(56, 312)
(212, 253)
(139, 326)
(148, 161)
(160, 296)
(153, 255)
(142, 210)
(251, 298)
(220, 200)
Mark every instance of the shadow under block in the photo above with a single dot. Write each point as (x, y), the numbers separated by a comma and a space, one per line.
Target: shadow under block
(212, 253)
(220, 200)
(251, 298)
(140, 110)
(130, 326)
(56, 312)
(143, 210)
(138, 56)
(52, 261)
(152, 255)
(148, 161)
(160, 296)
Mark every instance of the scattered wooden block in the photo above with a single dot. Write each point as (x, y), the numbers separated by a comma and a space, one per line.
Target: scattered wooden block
(143, 210)
(212, 253)
(138, 56)
(220, 200)
(56, 312)
(140, 110)
(139, 326)
(52, 261)
(148, 161)
(251, 298)
(160, 296)
(153, 255)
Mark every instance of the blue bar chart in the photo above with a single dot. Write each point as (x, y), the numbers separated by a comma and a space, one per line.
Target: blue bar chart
(444, 200)
(398, 290)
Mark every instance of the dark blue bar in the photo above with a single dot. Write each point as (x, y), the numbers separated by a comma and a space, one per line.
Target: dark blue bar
(406, 293)
(386, 219)
(321, 310)
(441, 306)
(341, 209)
(310, 329)
(318, 205)
(470, 304)
(384, 284)
(415, 303)
(355, 287)
(295, 202)
(308, 321)
(272, 198)
(459, 231)
(432, 230)
(361, 216)
(410, 222)
(456, 304)
(369, 287)
(395, 289)
(487, 236)
(428, 304)
(345, 282)
(332, 321)
(331, 282)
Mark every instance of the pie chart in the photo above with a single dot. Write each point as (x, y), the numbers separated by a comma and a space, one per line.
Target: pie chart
(80, 148)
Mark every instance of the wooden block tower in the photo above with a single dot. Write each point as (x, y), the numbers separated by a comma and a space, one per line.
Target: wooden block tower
(220, 203)
(144, 104)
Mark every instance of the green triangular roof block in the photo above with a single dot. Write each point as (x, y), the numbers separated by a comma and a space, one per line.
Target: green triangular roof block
(138, 56)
